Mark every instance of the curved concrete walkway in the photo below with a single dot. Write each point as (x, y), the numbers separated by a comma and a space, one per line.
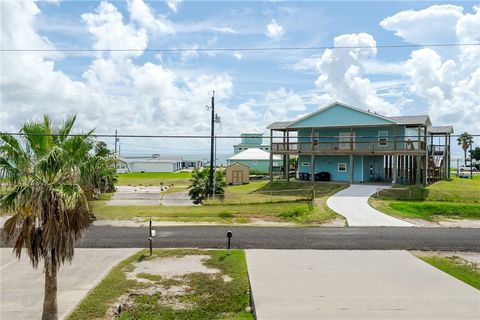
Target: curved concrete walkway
(352, 203)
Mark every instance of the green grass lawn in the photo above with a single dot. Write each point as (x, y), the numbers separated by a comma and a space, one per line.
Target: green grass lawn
(208, 296)
(428, 210)
(153, 178)
(241, 204)
(458, 268)
(455, 199)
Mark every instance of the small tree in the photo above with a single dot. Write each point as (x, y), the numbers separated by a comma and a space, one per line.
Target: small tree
(465, 140)
(475, 154)
(199, 188)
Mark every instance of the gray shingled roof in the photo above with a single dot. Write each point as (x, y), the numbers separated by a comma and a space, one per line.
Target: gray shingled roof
(441, 129)
(421, 119)
(279, 125)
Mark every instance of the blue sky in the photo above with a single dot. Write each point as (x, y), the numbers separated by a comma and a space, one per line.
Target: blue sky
(165, 92)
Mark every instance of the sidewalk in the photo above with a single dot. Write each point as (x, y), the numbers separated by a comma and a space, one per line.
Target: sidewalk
(22, 287)
(310, 284)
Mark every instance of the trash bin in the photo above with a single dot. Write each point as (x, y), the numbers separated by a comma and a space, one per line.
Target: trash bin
(324, 176)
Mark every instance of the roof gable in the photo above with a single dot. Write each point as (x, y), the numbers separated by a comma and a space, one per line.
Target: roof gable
(339, 115)
(253, 154)
(237, 164)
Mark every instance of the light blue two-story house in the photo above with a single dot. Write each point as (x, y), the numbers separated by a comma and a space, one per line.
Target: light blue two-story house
(344, 143)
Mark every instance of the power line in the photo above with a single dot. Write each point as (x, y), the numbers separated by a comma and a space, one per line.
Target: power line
(190, 136)
(385, 46)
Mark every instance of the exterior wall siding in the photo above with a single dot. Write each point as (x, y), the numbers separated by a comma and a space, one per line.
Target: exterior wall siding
(152, 167)
(339, 115)
(259, 165)
(330, 164)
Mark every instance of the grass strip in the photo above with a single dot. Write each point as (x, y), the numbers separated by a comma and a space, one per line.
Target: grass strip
(456, 267)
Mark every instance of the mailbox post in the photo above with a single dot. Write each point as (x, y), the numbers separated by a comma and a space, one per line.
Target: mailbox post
(229, 236)
(151, 234)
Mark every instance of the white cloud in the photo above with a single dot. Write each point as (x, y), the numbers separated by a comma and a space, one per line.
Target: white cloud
(190, 54)
(173, 4)
(449, 81)
(431, 25)
(107, 26)
(115, 91)
(274, 30)
(453, 97)
(237, 55)
(342, 73)
(142, 14)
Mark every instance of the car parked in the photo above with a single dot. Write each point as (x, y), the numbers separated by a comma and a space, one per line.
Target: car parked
(467, 168)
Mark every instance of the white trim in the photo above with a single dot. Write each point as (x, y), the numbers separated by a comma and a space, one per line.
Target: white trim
(362, 169)
(338, 167)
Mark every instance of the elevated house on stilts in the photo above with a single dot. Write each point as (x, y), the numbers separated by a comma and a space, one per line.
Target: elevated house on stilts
(344, 143)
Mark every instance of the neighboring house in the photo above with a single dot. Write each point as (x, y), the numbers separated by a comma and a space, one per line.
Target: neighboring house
(356, 145)
(257, 160)
(251, 139)
(153, 164)
(122, 165)
(237, 173)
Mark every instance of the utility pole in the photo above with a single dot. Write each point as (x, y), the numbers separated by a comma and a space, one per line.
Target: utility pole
(116, 140)
(210, 182)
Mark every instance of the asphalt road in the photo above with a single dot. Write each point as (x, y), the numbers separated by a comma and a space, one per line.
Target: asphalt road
(352, 238)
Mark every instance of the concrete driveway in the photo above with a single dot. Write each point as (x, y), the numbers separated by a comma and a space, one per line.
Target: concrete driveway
(22, 287)
(312, 284)
(180, 198)
(136, 196)
(352, 203)
(148, 196)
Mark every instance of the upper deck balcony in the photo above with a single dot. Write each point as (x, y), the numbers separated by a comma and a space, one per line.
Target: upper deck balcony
(344, 146)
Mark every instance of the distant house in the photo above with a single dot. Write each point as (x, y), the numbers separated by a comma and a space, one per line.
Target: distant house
(251, 139)
(350, 144)
(155, 163)
(257, 159)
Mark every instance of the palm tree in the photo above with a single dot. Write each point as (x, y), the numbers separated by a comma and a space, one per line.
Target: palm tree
(49, 208)
(199, 188)
(465, 140)
(97, 171)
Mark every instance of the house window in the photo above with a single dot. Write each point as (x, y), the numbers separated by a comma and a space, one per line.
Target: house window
(342, 167)
(383, 139)
(305, 164)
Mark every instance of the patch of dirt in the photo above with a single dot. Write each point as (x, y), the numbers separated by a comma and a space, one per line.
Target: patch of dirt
(172, 267)
(337, 222)
(167, 296)
(446, 223)
(168, 268)
(460, 223)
